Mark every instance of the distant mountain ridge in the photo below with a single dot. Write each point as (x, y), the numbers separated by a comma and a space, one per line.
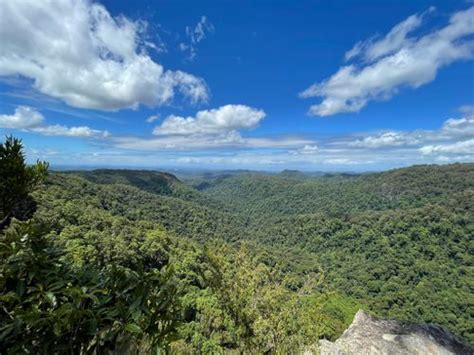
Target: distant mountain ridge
(147, 180)
(177, 207)
(342, 193)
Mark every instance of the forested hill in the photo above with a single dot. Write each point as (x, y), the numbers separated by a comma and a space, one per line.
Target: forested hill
(338, 194)
(151, 181)
(160, 183)
(155, 197)
(398, 241)
(252, 261)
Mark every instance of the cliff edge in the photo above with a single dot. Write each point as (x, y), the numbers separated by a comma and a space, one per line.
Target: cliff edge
(370, 335)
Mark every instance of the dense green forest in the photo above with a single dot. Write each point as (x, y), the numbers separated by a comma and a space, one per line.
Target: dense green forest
(141, 261)
(400, 242)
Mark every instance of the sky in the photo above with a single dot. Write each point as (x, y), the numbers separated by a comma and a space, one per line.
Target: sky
(266, 85)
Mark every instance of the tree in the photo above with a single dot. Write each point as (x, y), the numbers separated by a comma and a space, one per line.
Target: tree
(17, 181)
(47, 306)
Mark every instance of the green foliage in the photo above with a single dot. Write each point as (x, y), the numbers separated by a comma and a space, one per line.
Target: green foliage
(208, 321)
(244, 306)
(48, 306)
(139, 262)
(158, 183)
(17, 181)
(261, 196)
(185, 218)
(270, 318)
(382, 239)
(399, 242)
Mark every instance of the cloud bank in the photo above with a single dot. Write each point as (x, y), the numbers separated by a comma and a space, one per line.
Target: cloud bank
(212, 138)
(226, 148)
(209, 129)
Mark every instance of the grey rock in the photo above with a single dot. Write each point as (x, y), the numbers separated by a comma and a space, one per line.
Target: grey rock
(370, 335)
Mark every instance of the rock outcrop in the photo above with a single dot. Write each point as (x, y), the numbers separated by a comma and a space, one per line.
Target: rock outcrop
(370, 335)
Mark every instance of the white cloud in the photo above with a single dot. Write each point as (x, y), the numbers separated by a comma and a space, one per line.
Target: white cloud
(307, 149)
(230, 139)
(452, 130)
(394, 62)
(459, 127)
(195, 35)
(381, 140)
(23, 118)
(176, 143)
(76, 51)
(338, 161)
(462, 147)
(216, 121)
(260, 161)
(277, 142)
(395, 40)
(153, 118)
(213, 137)
(190, 86)
(221, 151)
(224, 146)
(467, 109)
(28, 119)
(60, 130)
(444, 159)
(200, 30)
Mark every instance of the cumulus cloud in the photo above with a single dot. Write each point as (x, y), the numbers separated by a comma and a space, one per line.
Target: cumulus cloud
(28, 119)
(214, 128)
(227, 148)
(393, 62)
(451, 131)
(60, 130)
(74, 50)
(459, 127)
(453, 141)
(382, 140)
(216, 121)
(462, 147)
(152, 118)
(216, 135)
(195, 35)
(23, 118)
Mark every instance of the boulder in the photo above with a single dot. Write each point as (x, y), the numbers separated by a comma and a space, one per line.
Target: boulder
(371, 335)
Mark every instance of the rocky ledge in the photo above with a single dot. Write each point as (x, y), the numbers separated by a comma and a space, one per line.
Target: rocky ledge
(370, 335)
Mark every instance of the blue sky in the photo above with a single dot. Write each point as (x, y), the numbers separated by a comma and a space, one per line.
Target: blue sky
(310, 85)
